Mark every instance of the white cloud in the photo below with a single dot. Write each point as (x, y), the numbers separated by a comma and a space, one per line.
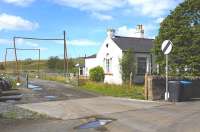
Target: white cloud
(153, 8)
(26, 43)
(102, 16)
(82, 42)
(159, 20)
(21, 43)
(19, 2)
(131, 32)
(125, 31)
(5, 41)
(43, 48)
(92, 5)
(10, 22)
(97, 8)
(150, 27)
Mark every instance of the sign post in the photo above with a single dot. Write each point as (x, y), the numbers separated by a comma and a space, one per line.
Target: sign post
(166, 49)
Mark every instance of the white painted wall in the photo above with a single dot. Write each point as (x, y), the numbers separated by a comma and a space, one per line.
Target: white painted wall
(89, 64)
(114, 76)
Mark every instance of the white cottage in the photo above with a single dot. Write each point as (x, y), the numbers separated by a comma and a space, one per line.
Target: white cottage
(112, 50)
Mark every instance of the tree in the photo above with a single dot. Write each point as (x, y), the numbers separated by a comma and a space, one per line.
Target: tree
(127, 64)
(182, 27)
(97, 74)
(53, 62)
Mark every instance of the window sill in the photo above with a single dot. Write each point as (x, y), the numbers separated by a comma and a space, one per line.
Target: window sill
(110, 74)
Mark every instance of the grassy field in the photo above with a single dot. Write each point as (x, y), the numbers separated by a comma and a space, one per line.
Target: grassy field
(135, 92)
(32, 65)
(24, 66)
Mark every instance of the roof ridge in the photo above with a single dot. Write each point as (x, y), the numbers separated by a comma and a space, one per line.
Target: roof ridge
(133, 37)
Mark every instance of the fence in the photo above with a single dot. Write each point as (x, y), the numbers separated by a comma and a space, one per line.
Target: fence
(155, 86)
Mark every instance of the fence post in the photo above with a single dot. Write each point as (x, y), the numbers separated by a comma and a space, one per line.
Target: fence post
(27, 80)
(146, 87)
(130, 83)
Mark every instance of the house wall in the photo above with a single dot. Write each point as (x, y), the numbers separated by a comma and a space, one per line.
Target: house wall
(115, 53)
(89, 64)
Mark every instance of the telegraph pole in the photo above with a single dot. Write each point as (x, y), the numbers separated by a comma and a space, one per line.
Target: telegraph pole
(16, 60)
(65, 56)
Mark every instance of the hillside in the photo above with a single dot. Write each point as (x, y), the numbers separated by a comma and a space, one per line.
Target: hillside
(32, 65)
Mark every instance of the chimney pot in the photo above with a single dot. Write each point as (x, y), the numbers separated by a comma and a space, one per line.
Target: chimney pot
(111, 33)
(140, 31)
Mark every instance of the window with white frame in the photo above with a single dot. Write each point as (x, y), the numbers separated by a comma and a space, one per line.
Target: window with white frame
(108, 64)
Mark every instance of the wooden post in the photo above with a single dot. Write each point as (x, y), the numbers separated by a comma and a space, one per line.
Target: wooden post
(39, 63)
(146, 86)
(130, 83)
(65, 60)
(5, 63)
(16, 60)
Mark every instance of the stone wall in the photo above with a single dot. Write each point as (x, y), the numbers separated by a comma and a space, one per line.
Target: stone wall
(155, 86)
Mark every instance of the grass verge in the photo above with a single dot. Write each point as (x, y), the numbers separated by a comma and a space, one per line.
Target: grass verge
(135, 92)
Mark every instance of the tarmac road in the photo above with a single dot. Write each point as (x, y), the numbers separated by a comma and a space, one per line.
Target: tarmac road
(129, 115)
(180, 117)
(59, 91)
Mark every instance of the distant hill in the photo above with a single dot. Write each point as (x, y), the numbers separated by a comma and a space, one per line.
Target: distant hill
(32, 65)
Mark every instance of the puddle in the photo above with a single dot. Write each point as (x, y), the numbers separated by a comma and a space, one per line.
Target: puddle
(34, 87)
(11, 101)
(51, 97)
(31, 86)
(95, 124)
(37, 89)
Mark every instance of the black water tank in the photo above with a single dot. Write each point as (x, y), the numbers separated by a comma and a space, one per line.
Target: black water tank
(174, 91)
(186, 90)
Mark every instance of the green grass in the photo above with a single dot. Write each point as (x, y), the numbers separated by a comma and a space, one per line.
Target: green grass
(135, 92)
(60, 79)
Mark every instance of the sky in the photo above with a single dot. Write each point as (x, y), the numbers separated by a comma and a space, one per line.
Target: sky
(85, 22)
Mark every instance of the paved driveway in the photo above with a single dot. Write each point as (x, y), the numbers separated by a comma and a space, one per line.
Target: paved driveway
(130, 115)
(79, 108)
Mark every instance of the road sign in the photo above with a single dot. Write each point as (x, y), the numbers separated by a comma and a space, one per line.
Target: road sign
(166, 47)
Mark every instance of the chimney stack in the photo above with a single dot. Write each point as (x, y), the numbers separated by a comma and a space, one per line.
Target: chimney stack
(140, 31)
(111, 33)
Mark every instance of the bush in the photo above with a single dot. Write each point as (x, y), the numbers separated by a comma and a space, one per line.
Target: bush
(97, 74)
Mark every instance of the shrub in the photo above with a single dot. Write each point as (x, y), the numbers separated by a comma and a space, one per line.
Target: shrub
(97, 74)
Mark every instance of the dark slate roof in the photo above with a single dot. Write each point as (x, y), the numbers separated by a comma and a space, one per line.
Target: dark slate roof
(91, 56)
(138, 44)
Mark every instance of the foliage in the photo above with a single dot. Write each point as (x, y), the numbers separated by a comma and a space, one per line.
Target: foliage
(60, 79)
(182, 27)
(2, 67)
(127, 64)
(54, 62)
(28, 61)
(97, 74)
(136, 92)
(45, 65)
(57, 64)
